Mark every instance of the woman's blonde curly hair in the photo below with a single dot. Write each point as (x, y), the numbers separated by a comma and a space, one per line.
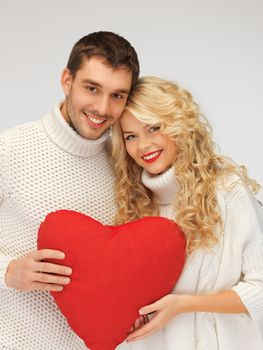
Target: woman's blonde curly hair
(197, 167)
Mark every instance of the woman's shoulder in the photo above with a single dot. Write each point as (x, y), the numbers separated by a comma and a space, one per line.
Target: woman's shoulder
(234, 190)
(242, 211)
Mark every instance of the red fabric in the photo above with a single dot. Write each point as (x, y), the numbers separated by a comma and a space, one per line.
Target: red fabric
(116, 270)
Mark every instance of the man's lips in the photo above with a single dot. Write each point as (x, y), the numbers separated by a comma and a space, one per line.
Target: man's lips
(94, 121)
(152, 156)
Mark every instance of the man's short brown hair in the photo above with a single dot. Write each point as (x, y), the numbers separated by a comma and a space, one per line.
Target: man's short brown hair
(113, 48)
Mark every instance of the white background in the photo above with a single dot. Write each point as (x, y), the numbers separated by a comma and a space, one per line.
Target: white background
(213, 48)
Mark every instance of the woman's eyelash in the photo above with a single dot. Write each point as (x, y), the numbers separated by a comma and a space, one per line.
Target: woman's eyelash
(128, 138)
(154, 128)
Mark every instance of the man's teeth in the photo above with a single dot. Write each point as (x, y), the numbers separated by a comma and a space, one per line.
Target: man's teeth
(94, 120)
(150, 156)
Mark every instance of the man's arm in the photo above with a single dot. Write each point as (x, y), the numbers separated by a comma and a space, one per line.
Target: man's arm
(31, 272)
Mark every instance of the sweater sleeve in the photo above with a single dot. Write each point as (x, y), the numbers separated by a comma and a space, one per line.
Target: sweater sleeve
(250, 289)
(4, 259)
(1, 169)
(249, 213)
(4, 262)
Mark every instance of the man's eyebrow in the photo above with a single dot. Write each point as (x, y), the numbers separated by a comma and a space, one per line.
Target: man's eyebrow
(123, 91)
(95, 83)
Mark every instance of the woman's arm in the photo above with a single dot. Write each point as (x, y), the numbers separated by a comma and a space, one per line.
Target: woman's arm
(172, 305)
(245, 222)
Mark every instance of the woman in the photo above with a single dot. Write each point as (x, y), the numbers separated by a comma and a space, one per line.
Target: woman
(166, 165)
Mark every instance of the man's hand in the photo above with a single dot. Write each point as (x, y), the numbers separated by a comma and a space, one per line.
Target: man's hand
(32, 272)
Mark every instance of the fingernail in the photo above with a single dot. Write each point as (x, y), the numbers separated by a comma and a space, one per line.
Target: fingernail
(61, 255)
(141, 312)
(59, 289)
(68, 271)
(66, 280)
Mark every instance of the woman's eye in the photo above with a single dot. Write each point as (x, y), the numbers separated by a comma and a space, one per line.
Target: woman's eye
(129, 137)
(154, 128)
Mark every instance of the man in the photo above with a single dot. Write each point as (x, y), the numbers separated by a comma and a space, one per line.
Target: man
(58, 162)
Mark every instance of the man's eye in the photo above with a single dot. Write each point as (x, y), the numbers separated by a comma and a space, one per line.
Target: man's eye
(117, 96)
(92, 89)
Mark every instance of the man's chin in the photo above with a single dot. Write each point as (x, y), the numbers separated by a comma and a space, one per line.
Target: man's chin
(94, 134)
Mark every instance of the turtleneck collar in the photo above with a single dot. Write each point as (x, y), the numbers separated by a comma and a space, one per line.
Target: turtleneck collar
(164, 186)
(68, 139)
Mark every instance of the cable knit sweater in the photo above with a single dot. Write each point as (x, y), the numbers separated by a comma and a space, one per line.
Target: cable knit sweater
(45, 166)
(236, 263)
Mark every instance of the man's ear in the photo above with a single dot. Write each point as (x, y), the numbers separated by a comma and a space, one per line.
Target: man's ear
(66, 80)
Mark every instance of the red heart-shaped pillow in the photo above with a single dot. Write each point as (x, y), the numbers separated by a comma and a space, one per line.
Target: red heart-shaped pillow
(116, 270)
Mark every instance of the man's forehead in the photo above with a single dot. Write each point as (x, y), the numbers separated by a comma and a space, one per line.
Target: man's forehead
(96, 72)
(102, 63)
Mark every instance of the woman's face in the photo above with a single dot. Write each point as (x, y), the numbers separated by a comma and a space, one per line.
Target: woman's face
(152, 150)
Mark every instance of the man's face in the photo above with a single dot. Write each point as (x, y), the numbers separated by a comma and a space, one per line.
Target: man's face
(95, 98)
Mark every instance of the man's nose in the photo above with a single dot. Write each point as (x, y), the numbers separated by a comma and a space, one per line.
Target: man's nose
(103, 106)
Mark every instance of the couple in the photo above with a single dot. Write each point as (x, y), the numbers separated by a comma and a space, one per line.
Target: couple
(164, 164)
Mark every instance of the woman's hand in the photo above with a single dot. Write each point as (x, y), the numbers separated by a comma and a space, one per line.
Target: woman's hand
(165, 309)
(141, 321)
(171, 305)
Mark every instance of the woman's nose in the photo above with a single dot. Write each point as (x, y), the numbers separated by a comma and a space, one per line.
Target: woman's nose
(144, 143)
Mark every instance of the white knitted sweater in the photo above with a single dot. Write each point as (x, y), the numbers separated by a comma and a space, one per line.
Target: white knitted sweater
(236, 263)
(45, 166)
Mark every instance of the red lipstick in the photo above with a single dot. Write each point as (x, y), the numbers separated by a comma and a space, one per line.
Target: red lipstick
(151, 157)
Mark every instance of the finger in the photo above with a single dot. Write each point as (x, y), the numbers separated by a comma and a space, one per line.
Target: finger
(42, 254)
(52, 268)
(149, 308)
(46, 287)
(48, 278)
(137, 323)
(131, 330)
(141, 320)
(135, 326)
(141, 332)
(145, 319)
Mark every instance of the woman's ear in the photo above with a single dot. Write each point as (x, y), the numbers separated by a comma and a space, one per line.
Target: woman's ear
(66, 80)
